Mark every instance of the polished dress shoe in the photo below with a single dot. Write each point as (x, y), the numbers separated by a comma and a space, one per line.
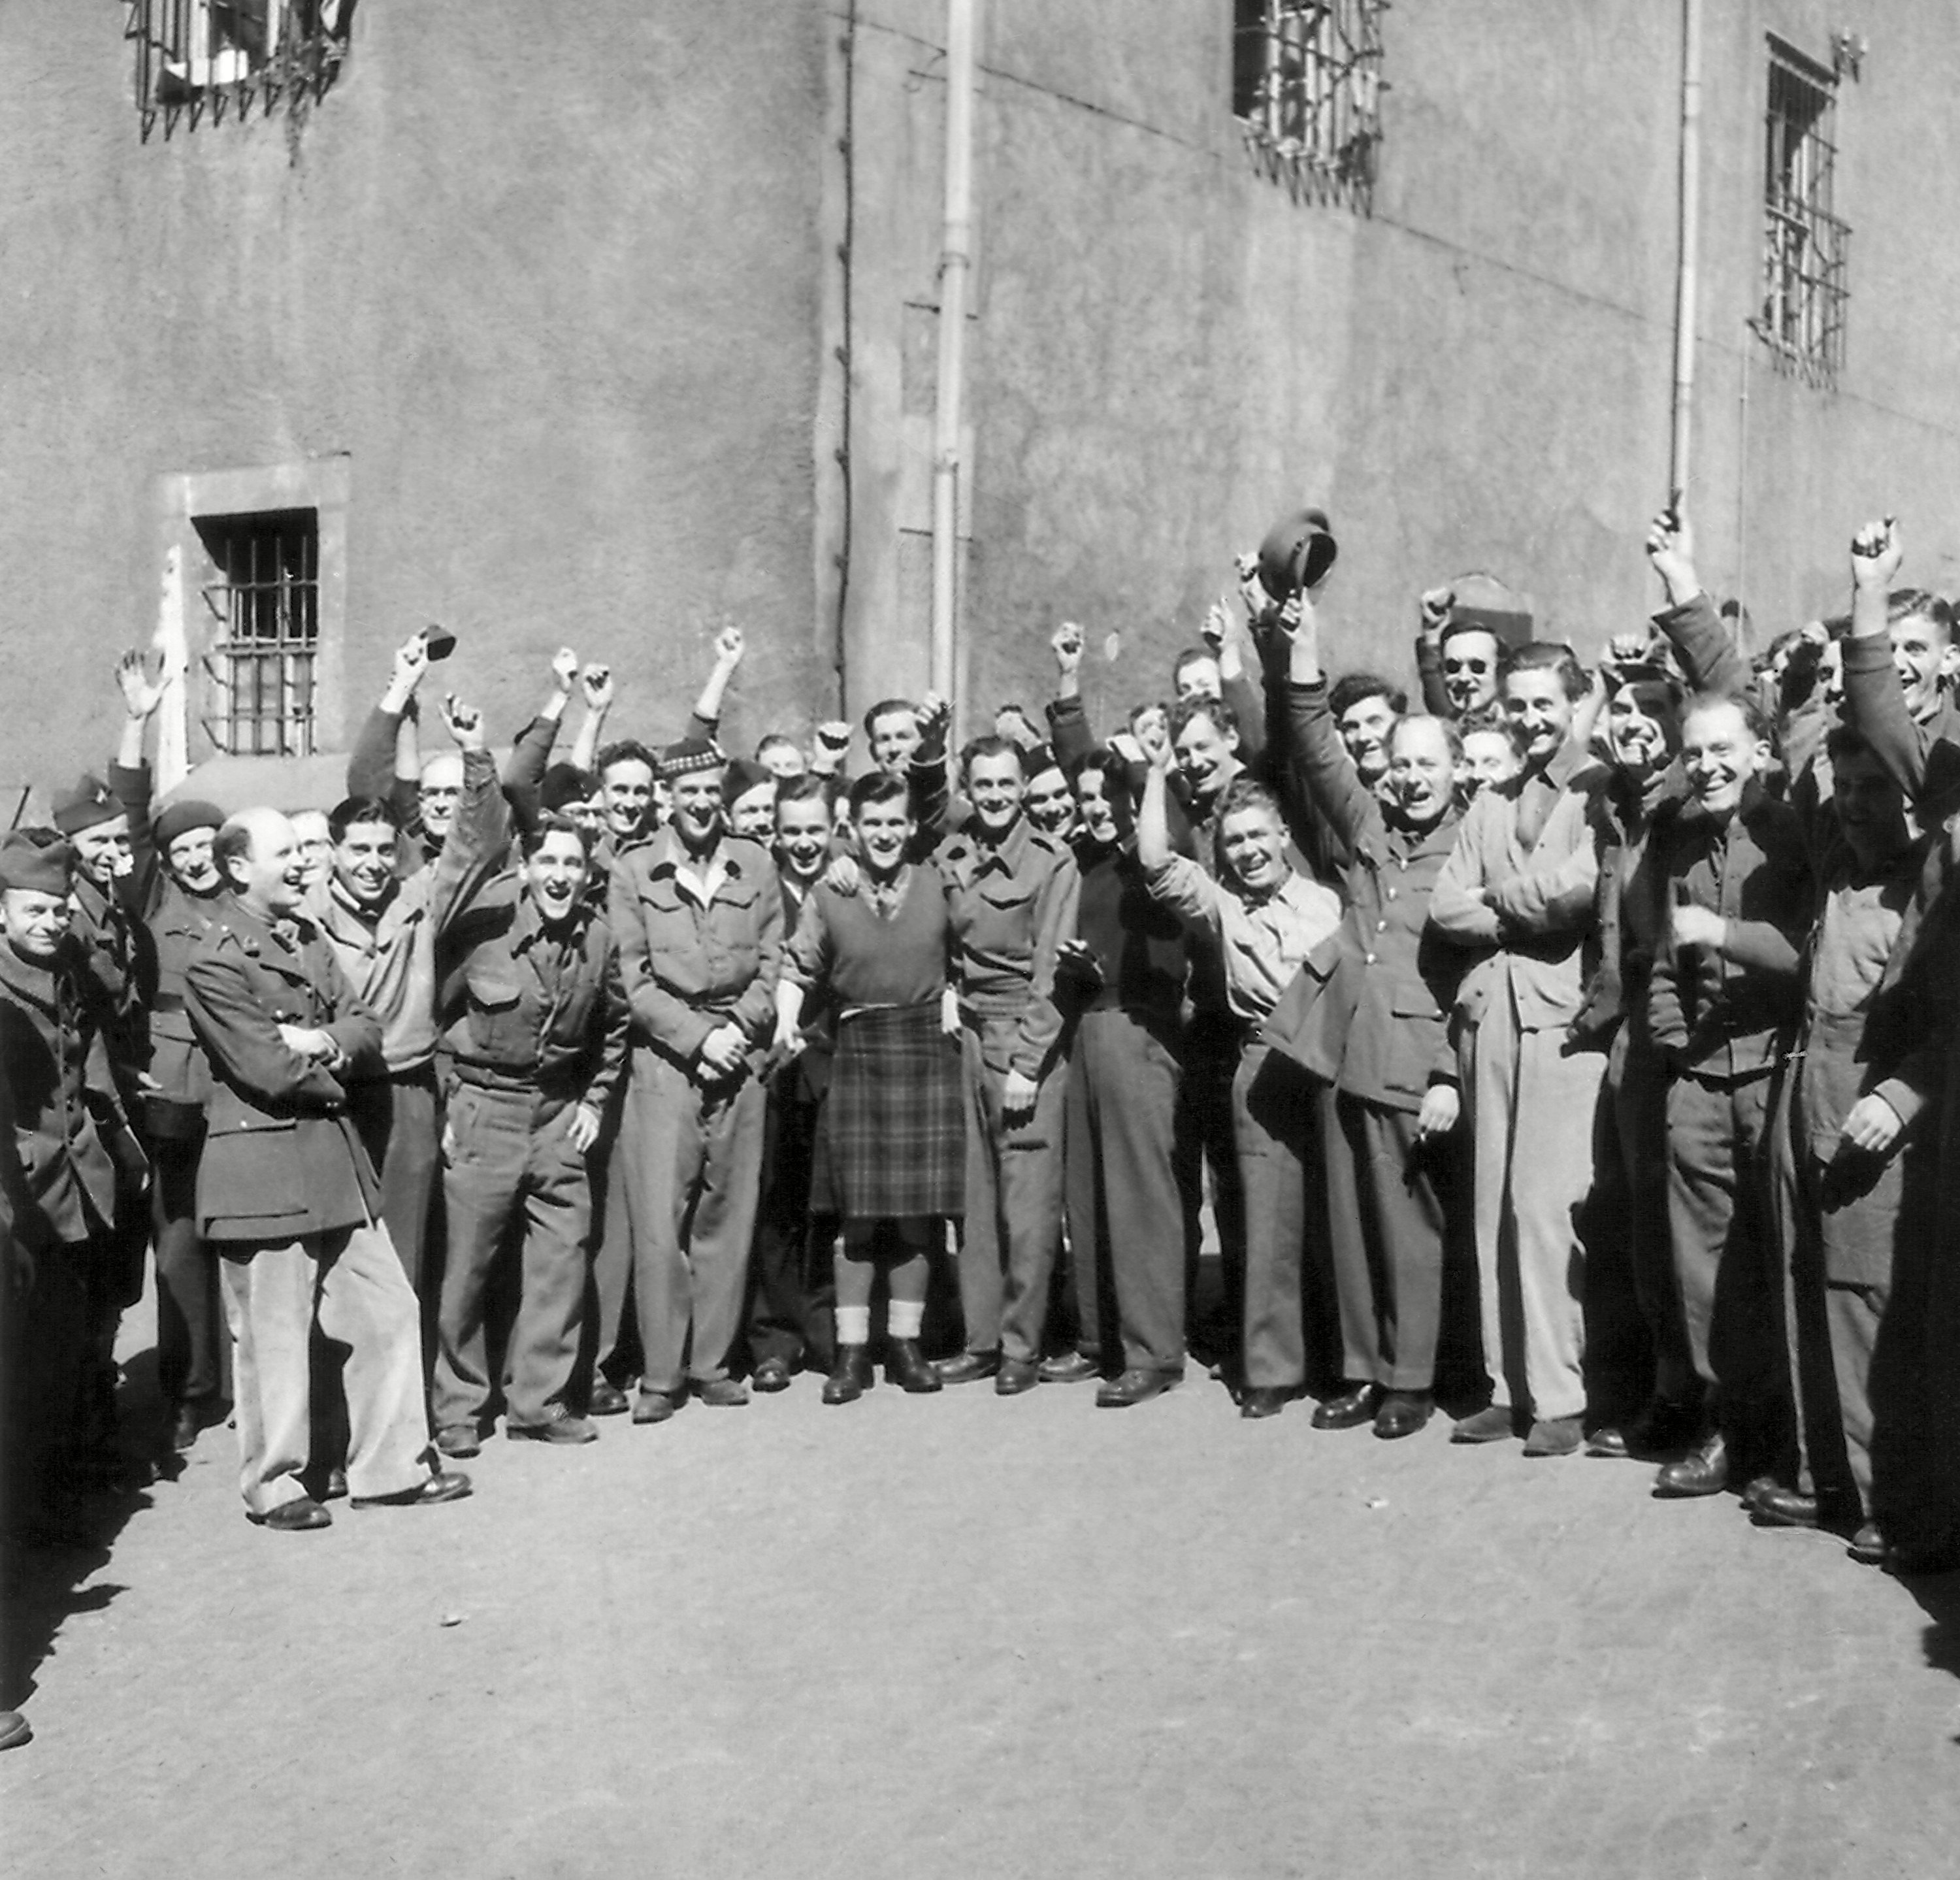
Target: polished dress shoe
(1703, 1470)
(905, 1365)
(607, 1399)
(14, 1730)
(1609, 1440)
(185, 1423)
(1402, 1414)
(1347, 1411)
(1867, 1547)
(1070, 1367)
(1774, 1506)
(562, 1429)
(446, 1485)
(656, 1407)
(335, 1489)
(459, 1440)
(293, 1517)
(723, 1393)
(851, 1375)
(968, 1368)
(772, 1374)
(1555, 1436)
(1134, 1387)
(1495, 1424)
(1257, 1400)
(1015, 1375)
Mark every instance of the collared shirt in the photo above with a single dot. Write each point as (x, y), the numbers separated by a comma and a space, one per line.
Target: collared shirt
(698, 948)
(1261, 942)
(1012, 903)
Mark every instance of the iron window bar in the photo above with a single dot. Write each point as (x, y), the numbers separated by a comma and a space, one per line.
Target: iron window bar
(1806, 246)
(264, 663)
(1307, 87)
(195, 58)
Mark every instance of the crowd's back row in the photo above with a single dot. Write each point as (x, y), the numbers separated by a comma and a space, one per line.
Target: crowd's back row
(717, 1052)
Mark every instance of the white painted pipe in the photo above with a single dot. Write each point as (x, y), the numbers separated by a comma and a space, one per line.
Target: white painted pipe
(1687, 272)
(955, 263)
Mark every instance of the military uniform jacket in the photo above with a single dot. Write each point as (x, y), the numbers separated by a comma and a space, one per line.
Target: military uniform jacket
(70, 1133)
(1378, 1028)
(701, 942)
(281, 1159)
(523, 1006)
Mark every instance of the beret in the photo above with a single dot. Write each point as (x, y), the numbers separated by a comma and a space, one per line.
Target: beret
(689, 754)
(38, 859)
(178, 819)
(743, 775)
(564, 783)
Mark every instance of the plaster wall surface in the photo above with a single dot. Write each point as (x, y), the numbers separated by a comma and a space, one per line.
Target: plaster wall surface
(552, 292)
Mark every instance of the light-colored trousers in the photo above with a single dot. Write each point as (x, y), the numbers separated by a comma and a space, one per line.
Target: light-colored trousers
(1531, 1116)
(351, 1283)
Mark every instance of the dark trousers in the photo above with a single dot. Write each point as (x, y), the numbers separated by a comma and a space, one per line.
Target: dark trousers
(398, 1121)
(1385, 1215)
(791, 1287)
(193, 1347)
(1636, 1330)
(1726, 1257)
(1125, 1216)
(1206, 1138)
(47, 1380)
(1272, 1118)
(1014, 1202)
(612, 1338)
(692, 1155)
(512, 1173)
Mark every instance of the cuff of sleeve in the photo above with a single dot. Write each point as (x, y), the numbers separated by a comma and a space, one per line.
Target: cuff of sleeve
(1869, 655)
(1906, 1100)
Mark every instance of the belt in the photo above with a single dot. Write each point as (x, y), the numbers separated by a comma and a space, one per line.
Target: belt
(512, 1081)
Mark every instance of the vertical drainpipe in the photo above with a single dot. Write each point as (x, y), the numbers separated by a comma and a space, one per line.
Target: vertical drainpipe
(955, 262)
(1689, 243)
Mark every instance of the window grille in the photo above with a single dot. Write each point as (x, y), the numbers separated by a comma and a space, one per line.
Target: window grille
(264, 662)
(195, 56)
(1307, 87)
(1805, 246)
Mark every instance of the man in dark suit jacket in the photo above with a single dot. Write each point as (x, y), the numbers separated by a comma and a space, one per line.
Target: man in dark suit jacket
(287, 1196)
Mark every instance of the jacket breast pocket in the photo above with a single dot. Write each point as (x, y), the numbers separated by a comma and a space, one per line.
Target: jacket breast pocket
(497, 1026)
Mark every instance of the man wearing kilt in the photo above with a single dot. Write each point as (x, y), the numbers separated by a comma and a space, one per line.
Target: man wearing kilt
(895, 1140)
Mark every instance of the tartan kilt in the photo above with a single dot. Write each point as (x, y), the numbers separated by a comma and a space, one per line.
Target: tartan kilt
(892, 1136)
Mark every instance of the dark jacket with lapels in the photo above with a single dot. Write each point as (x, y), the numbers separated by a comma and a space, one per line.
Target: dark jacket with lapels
(281, 1161)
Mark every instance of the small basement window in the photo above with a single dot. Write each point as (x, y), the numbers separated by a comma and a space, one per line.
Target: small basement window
(1307, 87)
(263, 662)
(198, 56)
(1806, 248)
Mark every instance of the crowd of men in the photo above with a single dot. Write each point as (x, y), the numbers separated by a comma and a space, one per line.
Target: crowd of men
(1572, 1043)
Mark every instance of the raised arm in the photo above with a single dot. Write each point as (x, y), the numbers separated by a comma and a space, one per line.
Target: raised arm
(479, 839)
(706, 722)
(595, 684)
(1709, 660)
(530, 755)
(1874, 703)
(1179, 883)
(129, 780)
(1434, 616)
(1319, 770)
(373, 769)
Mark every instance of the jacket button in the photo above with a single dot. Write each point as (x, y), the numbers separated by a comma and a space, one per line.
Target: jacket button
(1370, 959)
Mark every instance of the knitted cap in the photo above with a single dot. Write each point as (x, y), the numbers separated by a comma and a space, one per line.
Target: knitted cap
(179, 819)
(38, 859)
(564, 783)
(690, 754)
(89, 801)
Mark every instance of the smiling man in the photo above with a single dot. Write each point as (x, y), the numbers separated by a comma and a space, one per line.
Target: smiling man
(289, 1195)
(698, 913)
(533, 1022)
(1730, 866)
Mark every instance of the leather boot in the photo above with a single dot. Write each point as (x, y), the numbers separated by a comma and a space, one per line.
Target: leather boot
(851, 1375)
(905, 1367)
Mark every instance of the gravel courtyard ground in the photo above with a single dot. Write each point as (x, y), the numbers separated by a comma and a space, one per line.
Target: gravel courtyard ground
(962, 1635)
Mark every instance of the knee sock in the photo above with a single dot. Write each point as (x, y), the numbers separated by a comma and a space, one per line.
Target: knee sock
(854, 1324)
(903, 1317)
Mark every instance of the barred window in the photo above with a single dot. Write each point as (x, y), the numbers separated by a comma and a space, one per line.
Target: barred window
(1806, 247)
(263, 662)
(1306, 86)
(195, 56)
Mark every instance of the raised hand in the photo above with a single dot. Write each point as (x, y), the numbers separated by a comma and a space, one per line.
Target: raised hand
(141, 695)
(565, 670)
(596, 682)
(1436, 603)
(1877, 553)
(463, 722)
(1067, 642)
(1670, 548)
(729, 647)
